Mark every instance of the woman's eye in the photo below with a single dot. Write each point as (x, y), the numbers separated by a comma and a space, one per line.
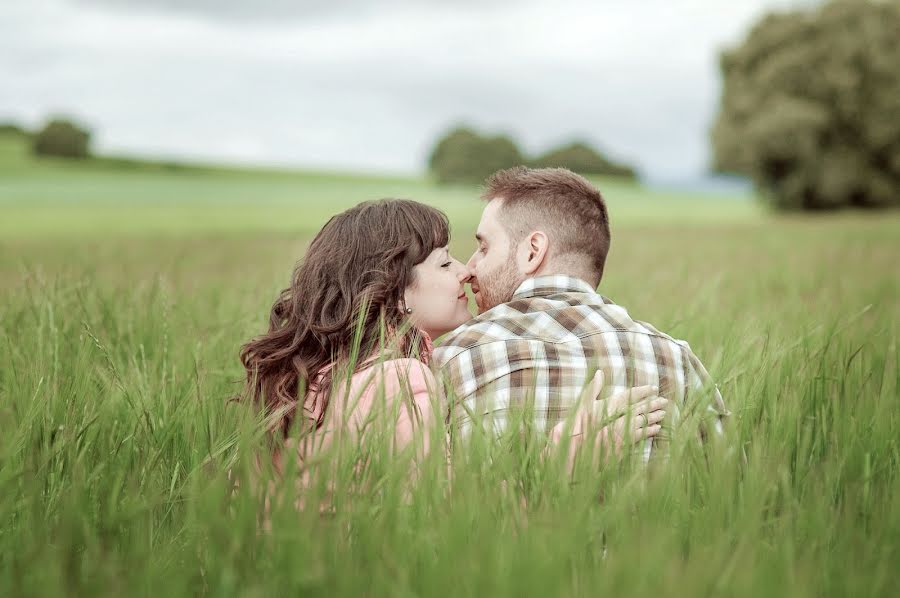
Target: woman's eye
(446, 264)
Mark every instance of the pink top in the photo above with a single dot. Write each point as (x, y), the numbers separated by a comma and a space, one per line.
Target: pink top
(376, 388)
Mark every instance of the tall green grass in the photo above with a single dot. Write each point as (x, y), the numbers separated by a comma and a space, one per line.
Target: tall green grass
(117, 356)
(127, 290)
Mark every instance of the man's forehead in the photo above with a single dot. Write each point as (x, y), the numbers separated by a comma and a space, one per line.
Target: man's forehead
(490, 216)
(493, 206)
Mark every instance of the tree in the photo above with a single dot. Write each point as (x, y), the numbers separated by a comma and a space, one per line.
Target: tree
(581, 158)
(10, 128)
(810, 108)
(61, 137)
(464, 156)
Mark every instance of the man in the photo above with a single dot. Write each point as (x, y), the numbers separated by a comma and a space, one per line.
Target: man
(542, 330)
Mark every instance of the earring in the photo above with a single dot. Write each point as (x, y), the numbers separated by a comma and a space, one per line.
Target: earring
(408, 310)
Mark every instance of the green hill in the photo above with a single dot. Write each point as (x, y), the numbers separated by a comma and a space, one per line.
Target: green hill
(118, 196)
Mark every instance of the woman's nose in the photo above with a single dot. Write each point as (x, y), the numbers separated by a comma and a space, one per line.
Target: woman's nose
(464, 273)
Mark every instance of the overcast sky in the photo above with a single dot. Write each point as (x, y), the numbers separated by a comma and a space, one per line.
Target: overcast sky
(369, 85)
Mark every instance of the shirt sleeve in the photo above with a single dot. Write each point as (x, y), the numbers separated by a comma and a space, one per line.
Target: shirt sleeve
(704, 396)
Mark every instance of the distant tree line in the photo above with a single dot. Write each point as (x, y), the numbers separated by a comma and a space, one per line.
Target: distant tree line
(59, 137)
(810, 108)
(12, 129)
(464, 155)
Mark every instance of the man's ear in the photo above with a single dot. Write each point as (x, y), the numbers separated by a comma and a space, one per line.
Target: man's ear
(533, 252)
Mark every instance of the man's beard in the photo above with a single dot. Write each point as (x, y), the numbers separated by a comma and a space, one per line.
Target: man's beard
(498, 286)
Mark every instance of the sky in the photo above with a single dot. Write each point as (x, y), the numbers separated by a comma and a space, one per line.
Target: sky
(369, 85)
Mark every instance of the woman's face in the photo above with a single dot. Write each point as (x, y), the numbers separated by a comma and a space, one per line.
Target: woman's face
(438, 295)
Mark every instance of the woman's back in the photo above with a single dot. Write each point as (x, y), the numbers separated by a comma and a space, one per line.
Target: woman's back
(393, 394)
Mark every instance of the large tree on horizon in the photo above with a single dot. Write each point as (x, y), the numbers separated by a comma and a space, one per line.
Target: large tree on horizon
(582, 158)
(463, 155)
(810, 106)
(63, 138)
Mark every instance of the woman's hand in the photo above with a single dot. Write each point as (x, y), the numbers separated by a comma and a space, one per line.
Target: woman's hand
(608, 426)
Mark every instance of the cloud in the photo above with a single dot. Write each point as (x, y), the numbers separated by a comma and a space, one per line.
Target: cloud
(281, 10)
(368, 86)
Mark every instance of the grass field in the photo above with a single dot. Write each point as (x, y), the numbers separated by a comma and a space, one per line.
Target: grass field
(126, 292)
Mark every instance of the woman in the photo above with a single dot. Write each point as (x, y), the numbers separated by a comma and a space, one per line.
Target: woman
(354, 330)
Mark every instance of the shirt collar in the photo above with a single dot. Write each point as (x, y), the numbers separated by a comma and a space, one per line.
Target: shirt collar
(551, 285)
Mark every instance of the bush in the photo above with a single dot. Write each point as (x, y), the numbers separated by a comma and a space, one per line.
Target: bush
(810, 108)
(9, 128)
(63, 138)
(464, 156)
(583, 159)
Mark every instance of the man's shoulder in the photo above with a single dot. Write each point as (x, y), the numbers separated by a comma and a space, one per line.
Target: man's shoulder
(555, 318)
(477, 331)
(502, 323)
(552, 319)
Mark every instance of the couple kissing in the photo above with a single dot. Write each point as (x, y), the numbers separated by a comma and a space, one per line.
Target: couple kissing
(352, 335)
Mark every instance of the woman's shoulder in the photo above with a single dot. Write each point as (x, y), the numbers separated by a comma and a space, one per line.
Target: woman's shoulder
(404, 371)
(387, 381)
(392, 376)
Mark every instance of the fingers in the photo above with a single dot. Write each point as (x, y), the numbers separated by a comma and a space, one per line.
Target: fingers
(597, 384)
(645, 420)
(631, 396)
(652, 403)
(649, 405)
(592, 393)
(639, 393)
(654, 417)
(648, 432)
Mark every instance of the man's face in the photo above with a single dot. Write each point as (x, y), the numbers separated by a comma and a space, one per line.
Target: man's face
(495, 276)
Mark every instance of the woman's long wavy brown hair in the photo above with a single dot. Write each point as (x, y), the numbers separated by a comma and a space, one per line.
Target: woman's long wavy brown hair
(344, 294)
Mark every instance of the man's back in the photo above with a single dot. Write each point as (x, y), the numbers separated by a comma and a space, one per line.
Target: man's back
(540, 350)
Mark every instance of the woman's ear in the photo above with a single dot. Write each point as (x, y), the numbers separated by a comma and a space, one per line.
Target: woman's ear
(404, 306)
(409, 292)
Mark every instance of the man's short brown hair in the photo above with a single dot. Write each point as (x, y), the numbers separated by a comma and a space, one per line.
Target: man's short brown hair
(559, 202)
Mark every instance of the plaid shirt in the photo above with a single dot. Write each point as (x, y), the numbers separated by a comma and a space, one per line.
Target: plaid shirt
(540, 350)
